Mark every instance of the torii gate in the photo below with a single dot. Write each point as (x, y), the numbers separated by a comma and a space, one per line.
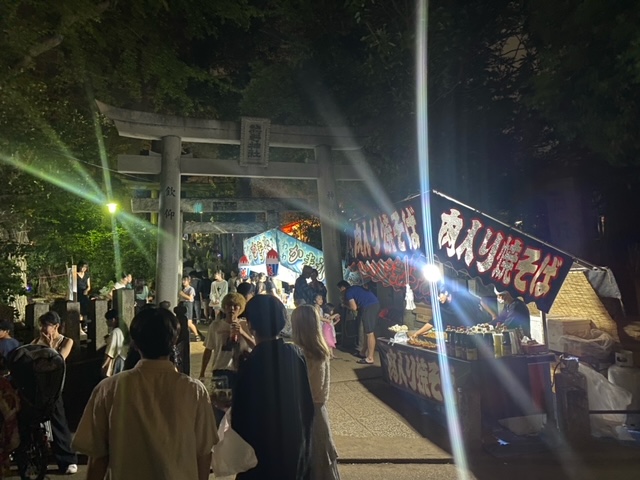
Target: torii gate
(254, 136)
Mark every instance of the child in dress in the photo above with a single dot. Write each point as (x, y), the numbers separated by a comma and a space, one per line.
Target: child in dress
(329, 319)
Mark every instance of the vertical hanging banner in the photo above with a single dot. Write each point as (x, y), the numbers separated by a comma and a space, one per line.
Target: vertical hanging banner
(467, 240)
(389, 248)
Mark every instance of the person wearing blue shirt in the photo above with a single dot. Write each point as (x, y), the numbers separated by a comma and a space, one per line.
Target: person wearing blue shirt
(367, 306)
(7, 343)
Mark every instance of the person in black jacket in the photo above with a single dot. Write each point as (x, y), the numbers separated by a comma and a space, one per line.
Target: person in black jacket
(514, 314)
(272, 407)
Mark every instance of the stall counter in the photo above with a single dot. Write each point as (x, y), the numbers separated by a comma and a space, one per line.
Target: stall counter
(486, 390)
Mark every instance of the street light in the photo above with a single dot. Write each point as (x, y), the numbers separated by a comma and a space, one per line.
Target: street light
(113, 208)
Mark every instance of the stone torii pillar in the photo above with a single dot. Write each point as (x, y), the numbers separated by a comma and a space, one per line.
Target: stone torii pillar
(169, 223)
(329, 222)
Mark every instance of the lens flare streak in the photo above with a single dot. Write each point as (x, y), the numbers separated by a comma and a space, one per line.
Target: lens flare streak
(448, 392)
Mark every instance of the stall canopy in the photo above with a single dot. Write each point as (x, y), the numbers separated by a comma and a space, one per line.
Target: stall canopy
(390, 248)
(292, 253)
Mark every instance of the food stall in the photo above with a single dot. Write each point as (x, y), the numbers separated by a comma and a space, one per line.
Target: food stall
(493, 380)
(292, 255)
(289, 254)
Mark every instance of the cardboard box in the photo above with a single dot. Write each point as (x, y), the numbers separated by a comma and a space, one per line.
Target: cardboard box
(558, 327)
(537, 329)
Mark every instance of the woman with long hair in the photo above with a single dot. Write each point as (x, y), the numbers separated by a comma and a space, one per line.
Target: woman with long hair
(83, 283)
(307, 334)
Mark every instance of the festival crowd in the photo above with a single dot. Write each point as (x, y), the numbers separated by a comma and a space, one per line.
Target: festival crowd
(258, 409)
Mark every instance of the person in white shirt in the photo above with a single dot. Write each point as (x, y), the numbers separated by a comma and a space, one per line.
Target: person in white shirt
(124, 282)
(115, 351)
(219, 288)
(151, 422)
(228, 339)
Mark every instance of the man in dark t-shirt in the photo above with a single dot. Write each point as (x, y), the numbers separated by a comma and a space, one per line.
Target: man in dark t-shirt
(461, 309)
(302, 292)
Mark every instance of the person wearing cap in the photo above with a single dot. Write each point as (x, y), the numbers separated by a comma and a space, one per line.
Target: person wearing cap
(514, 314)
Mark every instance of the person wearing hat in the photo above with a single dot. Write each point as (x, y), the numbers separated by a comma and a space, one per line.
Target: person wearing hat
(514, 314)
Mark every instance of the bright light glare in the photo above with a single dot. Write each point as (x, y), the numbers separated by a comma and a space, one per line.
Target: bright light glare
(431, 273)
(112, 207)
(448, 391)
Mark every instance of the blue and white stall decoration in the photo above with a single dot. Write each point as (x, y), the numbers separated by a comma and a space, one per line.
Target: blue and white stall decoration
(292, 255)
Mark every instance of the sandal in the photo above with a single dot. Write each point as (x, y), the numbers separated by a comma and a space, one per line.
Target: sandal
(363, 361)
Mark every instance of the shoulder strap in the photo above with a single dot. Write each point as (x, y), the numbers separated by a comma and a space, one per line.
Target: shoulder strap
(62, 344)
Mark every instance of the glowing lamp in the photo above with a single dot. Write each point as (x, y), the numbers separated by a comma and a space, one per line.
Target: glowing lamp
(272, 262)
(431, 273)
(112, 207)
(243, 267)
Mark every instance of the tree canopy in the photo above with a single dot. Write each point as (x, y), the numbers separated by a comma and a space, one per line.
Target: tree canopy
(518, 92)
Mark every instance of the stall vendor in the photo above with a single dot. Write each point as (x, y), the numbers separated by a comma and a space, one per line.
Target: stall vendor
(461, 309)
(425, 328)
(514, 314)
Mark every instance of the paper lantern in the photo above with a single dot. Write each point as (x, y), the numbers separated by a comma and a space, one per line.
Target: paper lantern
(243, 267)
(273, 262)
